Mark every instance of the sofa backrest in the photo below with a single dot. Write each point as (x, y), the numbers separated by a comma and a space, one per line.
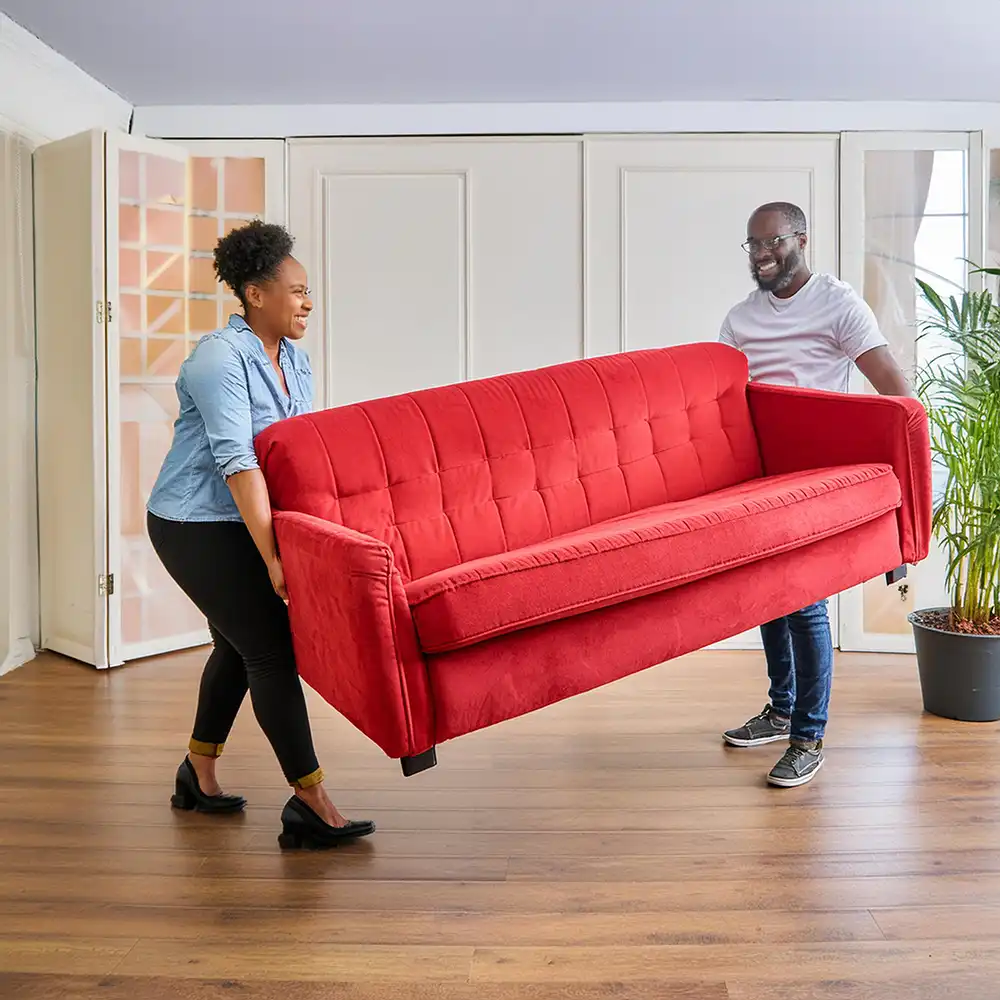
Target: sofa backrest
(464, 471)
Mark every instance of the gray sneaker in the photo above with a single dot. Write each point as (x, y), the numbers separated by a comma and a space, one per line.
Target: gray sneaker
(764, 728)
(798, 765)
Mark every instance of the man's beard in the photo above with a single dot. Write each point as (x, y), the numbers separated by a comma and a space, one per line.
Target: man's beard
(781, 278)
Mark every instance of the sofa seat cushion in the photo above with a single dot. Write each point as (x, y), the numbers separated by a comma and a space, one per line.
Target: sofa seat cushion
(644, 552)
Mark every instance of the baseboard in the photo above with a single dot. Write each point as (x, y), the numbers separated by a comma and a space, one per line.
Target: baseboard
(20, 653)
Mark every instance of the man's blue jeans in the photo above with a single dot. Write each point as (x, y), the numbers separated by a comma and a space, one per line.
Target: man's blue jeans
(799, 652)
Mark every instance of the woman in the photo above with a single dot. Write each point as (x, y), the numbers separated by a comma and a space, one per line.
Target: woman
(209, 519)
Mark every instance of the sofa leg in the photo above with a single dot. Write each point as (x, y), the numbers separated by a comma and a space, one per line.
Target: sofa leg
(895, 575)
(422, 762)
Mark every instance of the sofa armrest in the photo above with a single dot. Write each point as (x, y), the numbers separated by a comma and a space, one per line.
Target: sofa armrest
(801, 429)
(355, 643)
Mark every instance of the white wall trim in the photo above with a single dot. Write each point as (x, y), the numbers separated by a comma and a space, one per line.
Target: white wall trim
(12, 127)
(21, 652)
(285, 121)
(44, 96)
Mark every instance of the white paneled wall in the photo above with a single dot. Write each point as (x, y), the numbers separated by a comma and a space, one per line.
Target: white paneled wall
(436, 260)
(433, 261)
(665, 220)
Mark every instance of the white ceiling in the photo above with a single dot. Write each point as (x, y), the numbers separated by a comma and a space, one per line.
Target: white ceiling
(157, 52)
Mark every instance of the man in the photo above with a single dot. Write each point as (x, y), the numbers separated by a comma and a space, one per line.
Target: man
(800, 329)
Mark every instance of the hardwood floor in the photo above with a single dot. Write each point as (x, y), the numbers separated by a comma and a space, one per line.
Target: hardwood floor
(610, 846)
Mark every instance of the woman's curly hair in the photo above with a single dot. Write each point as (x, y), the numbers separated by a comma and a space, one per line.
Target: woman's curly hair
(251, 254)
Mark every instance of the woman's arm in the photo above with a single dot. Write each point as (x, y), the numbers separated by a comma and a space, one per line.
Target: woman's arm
(250, 493)
(217, 383)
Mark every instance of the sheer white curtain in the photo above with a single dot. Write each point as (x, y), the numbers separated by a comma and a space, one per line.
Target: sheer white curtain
(993, 213)
(18, 548)
(897, 183)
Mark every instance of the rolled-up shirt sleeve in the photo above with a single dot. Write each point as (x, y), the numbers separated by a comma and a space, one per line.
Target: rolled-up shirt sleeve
(217, 382)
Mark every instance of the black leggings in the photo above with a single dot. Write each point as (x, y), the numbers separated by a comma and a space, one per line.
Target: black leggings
(219, 568)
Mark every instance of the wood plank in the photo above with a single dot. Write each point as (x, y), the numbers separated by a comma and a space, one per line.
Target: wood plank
(939, 923)
(622, 732)
(777, 864)
(508, 897)
(964, 985)
(205, 835)
(869, 961)
(84, 955)
(210, 924)
(155, 791)
(245, 773)
(357, 865)
(375, 866)
(323, 961)
(22, 987)
(806, 815)
(625, 751)
(197, 834)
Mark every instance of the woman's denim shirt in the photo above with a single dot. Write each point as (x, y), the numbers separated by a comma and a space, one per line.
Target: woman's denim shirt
(229, 392)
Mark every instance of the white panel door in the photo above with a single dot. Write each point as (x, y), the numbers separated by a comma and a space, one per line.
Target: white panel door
(665, 217)
(436, 260)
(912, 206)
(168, 205)
(72, 391)
(148, 203)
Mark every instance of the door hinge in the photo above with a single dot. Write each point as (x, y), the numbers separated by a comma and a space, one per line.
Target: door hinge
(100, 313)
(107, 310)
(106, 584)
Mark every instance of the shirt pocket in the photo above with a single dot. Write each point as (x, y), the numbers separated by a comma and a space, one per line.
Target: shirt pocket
(300, 383)
(264, 389)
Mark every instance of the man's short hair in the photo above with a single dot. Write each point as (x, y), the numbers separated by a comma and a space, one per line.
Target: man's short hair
(792, 214)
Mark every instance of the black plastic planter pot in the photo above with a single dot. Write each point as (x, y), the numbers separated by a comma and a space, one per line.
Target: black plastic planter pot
(959, 673)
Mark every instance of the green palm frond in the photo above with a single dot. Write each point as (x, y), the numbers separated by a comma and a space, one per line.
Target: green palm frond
(960, 388)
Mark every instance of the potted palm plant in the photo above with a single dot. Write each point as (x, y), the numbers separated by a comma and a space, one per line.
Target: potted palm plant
(958, 647)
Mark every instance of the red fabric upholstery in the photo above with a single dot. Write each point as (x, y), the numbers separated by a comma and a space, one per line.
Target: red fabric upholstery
(353, 634)
(527, 670)
(454, 474)
(800, 429)
(644, 552)
(557, 529)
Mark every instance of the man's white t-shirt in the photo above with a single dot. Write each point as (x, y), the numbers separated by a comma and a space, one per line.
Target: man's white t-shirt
(810, 340)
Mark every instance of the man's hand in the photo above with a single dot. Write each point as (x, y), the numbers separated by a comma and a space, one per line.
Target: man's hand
(880, 368)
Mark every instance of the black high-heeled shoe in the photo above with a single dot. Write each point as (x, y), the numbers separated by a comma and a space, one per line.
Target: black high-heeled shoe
(189, 796)
(301, 827)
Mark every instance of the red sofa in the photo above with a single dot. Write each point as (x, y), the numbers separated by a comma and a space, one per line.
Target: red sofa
(467, 554)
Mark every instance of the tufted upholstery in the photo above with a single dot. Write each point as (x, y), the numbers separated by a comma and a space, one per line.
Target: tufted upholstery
(463, 472)
(644, 552)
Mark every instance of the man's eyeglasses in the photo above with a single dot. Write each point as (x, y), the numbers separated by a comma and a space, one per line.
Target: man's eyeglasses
(751, 246)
